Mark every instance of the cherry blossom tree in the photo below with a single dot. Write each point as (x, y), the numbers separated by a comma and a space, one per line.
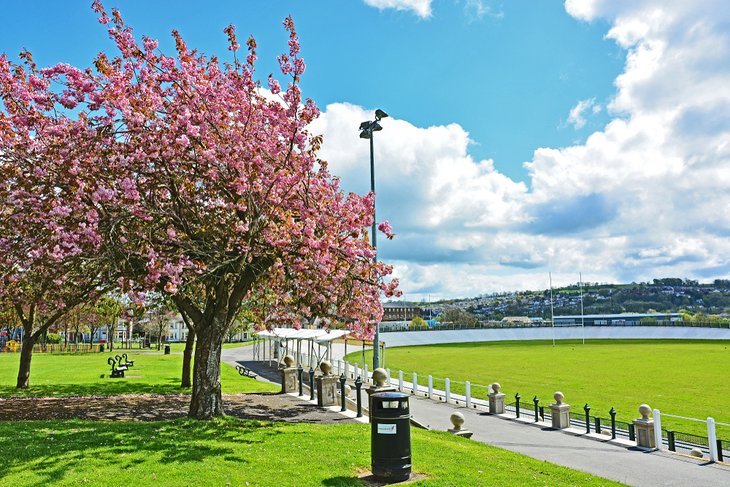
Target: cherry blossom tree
(49, 239)
(206, 186)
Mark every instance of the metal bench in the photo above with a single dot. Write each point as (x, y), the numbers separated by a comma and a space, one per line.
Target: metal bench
(245, 371)
(117, 370)
(122, 360)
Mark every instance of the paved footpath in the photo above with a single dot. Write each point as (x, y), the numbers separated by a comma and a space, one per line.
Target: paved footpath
(570, 448)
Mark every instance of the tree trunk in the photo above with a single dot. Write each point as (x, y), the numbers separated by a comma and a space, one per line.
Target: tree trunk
(111, 331)
(187, 356)
(26, 354)
(206, 401)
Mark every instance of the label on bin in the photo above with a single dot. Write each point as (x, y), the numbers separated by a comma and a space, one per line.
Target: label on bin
(386, 429)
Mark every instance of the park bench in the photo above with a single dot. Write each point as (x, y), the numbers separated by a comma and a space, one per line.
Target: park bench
(245, 371)
(125, 362)
(117, 369)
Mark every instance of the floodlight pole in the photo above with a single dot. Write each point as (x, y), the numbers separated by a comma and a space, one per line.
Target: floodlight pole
(367, 130)
(376, 339)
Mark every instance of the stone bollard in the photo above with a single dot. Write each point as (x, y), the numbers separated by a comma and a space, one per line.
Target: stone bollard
(645, 428)
(380, 377)
(560, 412)
(496, 400)
(326, 385)
(457, 419)
(288, 375)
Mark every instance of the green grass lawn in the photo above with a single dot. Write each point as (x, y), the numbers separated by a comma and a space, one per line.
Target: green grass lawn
(231, 451)
(87, 374)
(685, 378)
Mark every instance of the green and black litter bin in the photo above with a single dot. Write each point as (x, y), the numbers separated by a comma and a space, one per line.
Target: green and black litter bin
(167, 349)
(390, 437)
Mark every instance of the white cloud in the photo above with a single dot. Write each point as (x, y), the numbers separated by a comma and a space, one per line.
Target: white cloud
(422, 8)
(576, 118)
(645, 197)
(478, 9)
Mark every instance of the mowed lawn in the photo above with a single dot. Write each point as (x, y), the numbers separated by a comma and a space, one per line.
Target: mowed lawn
(684, 378)
(231, 451)
(86, 374)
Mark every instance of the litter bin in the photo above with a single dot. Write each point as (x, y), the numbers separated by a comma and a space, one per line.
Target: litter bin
(101, 347)
(390, 436)
(167, 349)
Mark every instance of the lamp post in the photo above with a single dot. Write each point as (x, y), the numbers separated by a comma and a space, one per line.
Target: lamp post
(367, 129)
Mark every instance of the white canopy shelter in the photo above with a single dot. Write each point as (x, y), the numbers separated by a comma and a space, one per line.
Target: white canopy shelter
(280, 342)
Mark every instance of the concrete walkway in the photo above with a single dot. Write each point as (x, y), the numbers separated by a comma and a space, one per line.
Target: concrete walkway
(571, 448)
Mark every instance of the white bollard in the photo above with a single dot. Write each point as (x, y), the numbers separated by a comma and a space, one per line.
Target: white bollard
(347, 370)
(712, 439)
(365, 378)
(430, 387)
(357, 370)
(400, 380)
(658, 430)
(415, 383)
(448, 390)
(387, 375)
(468, 394)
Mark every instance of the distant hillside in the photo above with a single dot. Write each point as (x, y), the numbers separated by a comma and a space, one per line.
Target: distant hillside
(661, 295)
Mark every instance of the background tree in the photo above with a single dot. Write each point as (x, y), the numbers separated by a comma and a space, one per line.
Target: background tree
(417, 323)
(458, 316)
(157, 318)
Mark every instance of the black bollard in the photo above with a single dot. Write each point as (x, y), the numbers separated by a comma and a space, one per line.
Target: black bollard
(612, 412)
(587, 409)
(517, 404)
(300, 370)
(342, 392)
(358, 386)
(536, 400)
(311, 383)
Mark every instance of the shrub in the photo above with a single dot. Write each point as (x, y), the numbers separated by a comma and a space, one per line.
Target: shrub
(54, 338)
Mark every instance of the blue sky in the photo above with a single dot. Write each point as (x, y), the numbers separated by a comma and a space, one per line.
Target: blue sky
(525, 137)
(508, 77)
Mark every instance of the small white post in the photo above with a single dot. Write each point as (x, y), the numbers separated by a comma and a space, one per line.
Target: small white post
(430, 387)
(356, 372)
(400, 380)
(712, 439)
(468, 394)
(347, 370)
(448, 390)
(365, 377)
(387, 375)
(415, 383)
(658, 430)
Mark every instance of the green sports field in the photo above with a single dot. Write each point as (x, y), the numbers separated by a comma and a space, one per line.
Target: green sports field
(684, 378)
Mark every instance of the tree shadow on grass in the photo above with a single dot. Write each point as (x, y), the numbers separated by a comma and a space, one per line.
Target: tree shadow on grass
(111, 387)
(52, 449)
